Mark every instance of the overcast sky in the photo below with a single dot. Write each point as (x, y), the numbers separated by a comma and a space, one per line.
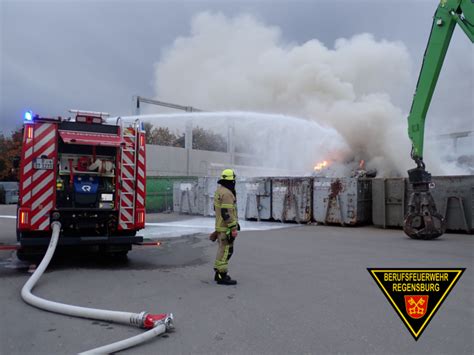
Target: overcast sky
(96, 55)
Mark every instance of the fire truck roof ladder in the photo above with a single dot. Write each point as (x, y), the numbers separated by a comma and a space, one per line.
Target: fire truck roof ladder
(89, 113)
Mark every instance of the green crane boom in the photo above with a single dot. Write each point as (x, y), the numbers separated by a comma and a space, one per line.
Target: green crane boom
(448, 14)
(423, 221)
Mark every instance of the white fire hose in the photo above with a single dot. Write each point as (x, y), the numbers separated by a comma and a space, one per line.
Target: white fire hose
(158, 324)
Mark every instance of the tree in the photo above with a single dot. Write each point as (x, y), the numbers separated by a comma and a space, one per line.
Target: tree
(10, 148)
(163, 136)
(148, 128)
(160, 136)
(202, 139)
(208, 140)
(205, 140)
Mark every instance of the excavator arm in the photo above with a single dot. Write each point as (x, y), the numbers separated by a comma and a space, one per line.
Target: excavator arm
(423, 221)
(448, 14)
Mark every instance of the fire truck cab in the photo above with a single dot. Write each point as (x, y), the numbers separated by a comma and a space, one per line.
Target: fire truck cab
(85, 173)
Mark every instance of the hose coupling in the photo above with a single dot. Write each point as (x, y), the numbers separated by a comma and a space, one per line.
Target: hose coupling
(169, 322)
(152, 320)
(138, 319)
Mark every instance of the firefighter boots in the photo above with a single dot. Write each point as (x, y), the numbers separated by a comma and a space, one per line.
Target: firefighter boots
(223, 279)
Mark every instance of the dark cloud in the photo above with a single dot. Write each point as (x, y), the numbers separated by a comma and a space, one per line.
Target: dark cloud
(93, 55)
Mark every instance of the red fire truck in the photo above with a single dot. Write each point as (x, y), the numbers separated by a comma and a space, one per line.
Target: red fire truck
(86, 173)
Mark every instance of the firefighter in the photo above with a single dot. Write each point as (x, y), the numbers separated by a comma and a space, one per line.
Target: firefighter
(225, 206)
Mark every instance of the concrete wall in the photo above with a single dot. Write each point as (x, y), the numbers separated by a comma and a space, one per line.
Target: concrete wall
(171, 161)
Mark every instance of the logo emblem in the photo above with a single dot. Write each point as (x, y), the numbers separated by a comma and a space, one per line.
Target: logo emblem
(86, 188)
(416, 294)
(416, 305)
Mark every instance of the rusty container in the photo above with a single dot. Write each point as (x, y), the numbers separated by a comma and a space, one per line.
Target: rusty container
(292, 199)
(254, 198)
(247, 190)
(344, 201)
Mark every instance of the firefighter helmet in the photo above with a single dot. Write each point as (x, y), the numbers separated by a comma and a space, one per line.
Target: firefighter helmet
(228, 174)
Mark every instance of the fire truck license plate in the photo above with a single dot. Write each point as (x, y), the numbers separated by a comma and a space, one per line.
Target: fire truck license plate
(43, 164)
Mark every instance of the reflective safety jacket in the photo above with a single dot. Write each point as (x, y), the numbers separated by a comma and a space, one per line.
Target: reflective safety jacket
(226, 209)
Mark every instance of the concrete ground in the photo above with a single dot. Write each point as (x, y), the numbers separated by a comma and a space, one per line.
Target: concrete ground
(302, 289)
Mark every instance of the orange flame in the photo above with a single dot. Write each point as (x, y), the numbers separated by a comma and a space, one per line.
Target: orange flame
(321, 165)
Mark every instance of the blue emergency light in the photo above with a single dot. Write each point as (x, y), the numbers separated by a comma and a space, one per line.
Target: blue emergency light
(28, 116)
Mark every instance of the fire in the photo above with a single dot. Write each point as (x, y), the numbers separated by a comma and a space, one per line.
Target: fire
(320, 166)
(362, 164)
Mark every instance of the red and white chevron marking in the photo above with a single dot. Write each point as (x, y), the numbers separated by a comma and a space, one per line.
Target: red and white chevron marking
(128, 178)
(141, 182)
(26, 167)
(141, 173)
(38, 186)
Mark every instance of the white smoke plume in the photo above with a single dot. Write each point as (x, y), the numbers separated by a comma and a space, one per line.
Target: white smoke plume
(242, 64)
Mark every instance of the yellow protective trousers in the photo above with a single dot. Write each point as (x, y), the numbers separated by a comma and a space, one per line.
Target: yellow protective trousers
(224, 253)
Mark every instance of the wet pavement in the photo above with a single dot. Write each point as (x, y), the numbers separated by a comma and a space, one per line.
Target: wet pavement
(158, 225)
(186, 225)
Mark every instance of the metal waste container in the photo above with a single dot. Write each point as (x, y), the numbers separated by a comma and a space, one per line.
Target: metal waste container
(389, 199)
(292, 199)
(207, 188)
(344, 201)
(453, 195)
(159, 192)
(254, 198)
(185, 197)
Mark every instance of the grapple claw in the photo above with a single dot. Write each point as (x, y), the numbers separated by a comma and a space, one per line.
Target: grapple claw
(422, 220)
(419, 226)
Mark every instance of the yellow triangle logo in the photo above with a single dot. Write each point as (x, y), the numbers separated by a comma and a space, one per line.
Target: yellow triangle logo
(416, 294)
